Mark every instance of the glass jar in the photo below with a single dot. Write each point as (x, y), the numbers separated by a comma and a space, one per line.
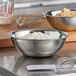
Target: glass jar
(6, 8)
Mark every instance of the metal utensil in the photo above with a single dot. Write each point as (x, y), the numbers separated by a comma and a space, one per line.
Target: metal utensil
(63, 64)
(5, 72)
(27, 20)
(47, 67)
(23, 21)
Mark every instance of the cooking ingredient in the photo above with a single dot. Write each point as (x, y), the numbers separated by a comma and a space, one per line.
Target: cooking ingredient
(40, 35)
(66, 12)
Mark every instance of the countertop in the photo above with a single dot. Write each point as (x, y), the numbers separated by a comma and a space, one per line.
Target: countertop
(18, 65)
(39, 3)
(15, 62)
(39, 6)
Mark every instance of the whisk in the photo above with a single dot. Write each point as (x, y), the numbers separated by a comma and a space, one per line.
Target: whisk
(63, 65)
(28, 20)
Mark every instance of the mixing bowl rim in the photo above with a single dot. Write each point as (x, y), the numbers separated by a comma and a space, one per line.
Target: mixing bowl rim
(12, 35)
(45, 14)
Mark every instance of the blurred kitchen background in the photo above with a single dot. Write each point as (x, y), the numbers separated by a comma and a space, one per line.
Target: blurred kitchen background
(39, 6)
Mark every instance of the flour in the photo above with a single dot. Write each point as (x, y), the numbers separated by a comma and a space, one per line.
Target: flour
(40, 35)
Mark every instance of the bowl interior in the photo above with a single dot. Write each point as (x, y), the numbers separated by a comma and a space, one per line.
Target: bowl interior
(54, 13)
(21, 33)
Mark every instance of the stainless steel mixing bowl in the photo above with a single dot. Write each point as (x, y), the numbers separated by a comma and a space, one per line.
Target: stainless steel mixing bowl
(37, 47)
(60, 23)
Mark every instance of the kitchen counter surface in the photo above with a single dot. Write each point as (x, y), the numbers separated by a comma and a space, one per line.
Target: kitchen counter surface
(39, 6)
(18, 64)
(14, 61)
